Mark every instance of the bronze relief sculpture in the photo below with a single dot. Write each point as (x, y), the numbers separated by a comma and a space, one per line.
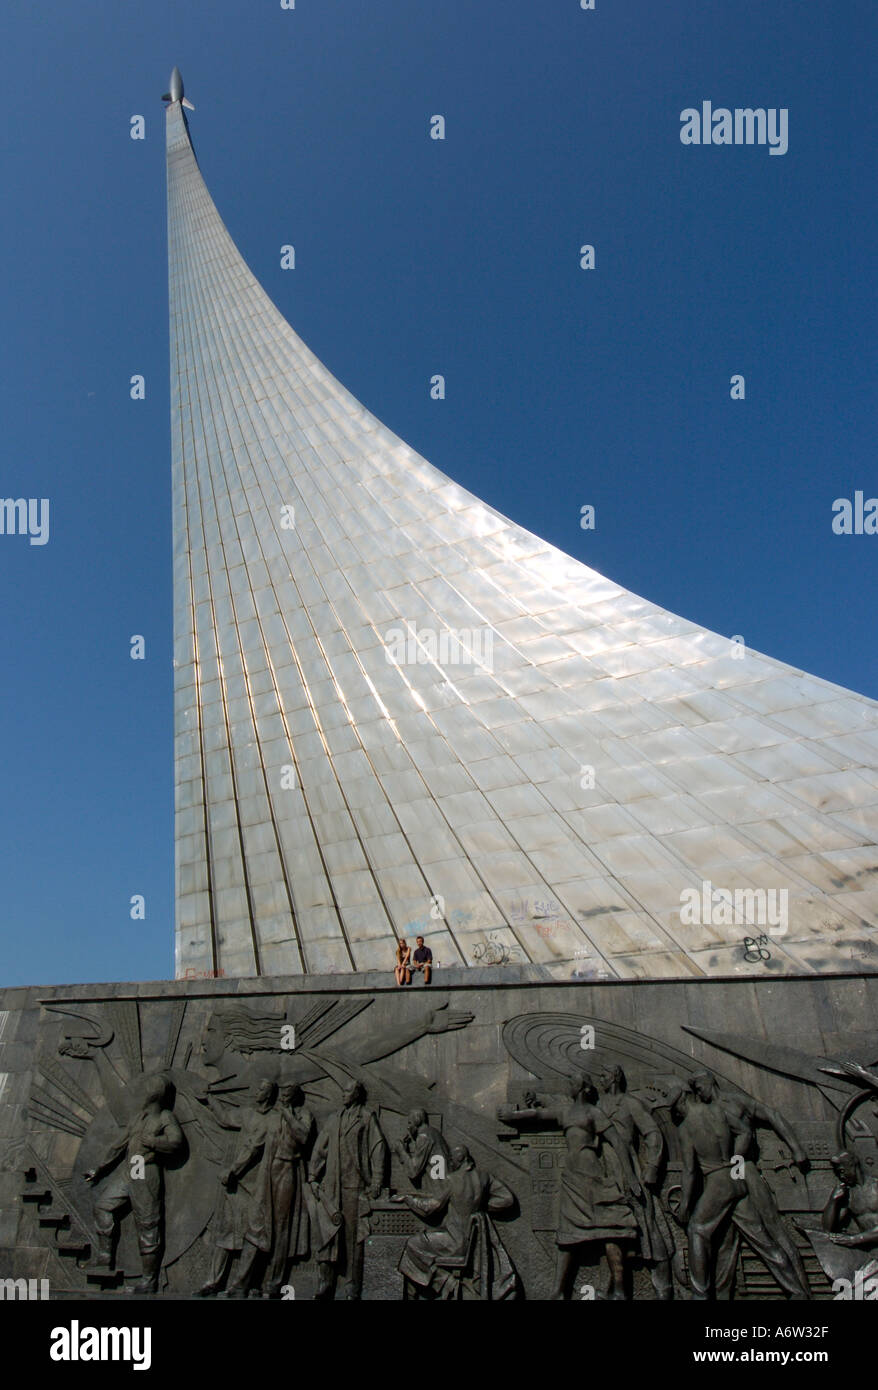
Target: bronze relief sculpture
(209, 1157)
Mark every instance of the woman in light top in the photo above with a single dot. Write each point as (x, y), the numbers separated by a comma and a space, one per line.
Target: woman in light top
(403, 969)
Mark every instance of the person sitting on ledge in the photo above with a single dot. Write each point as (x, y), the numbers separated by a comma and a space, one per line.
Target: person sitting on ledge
(423, 959)
(403, 971)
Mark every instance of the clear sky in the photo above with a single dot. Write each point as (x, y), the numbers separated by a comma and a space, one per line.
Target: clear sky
(414, 256)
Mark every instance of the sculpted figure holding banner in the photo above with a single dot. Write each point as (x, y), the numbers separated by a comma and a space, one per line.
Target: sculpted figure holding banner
(347, 1173)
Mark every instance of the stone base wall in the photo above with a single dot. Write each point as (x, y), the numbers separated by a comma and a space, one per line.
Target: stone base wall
(79, 1089)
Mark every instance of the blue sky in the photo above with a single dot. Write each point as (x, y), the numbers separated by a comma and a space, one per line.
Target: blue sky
(415, 256)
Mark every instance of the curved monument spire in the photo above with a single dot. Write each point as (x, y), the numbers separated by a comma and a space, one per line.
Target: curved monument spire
(398, 713)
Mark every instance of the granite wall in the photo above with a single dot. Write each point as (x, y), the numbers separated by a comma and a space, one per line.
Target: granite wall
(76, 1063)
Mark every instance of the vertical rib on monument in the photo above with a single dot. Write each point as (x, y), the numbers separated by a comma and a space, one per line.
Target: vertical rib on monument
(398, 713)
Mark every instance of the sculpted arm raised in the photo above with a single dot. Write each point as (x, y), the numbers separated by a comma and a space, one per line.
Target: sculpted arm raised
(225, 1115)
(301, 1123)
(836, 1211)
(772, 1119)
(413, 1154)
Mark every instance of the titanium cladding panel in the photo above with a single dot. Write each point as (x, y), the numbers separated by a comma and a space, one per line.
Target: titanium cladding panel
(398, 713)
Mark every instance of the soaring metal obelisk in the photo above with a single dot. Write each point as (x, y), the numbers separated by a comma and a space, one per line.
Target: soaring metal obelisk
(398, 713)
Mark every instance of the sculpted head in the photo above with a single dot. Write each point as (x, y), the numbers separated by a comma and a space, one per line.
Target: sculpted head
(154, 1089)
(353, 1094)
(460, 1158)
(678, 1103)
(265, 1093)
(847, 1168)
(213, 1044)
(612, 1079)
(416, 1118)
(703, 1086)
(291, 1094)
(581, 1087)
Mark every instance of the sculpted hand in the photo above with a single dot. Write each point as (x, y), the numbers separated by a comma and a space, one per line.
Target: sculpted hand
(441, 1022)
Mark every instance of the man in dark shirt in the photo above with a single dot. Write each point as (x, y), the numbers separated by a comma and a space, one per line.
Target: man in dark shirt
(422, 959)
